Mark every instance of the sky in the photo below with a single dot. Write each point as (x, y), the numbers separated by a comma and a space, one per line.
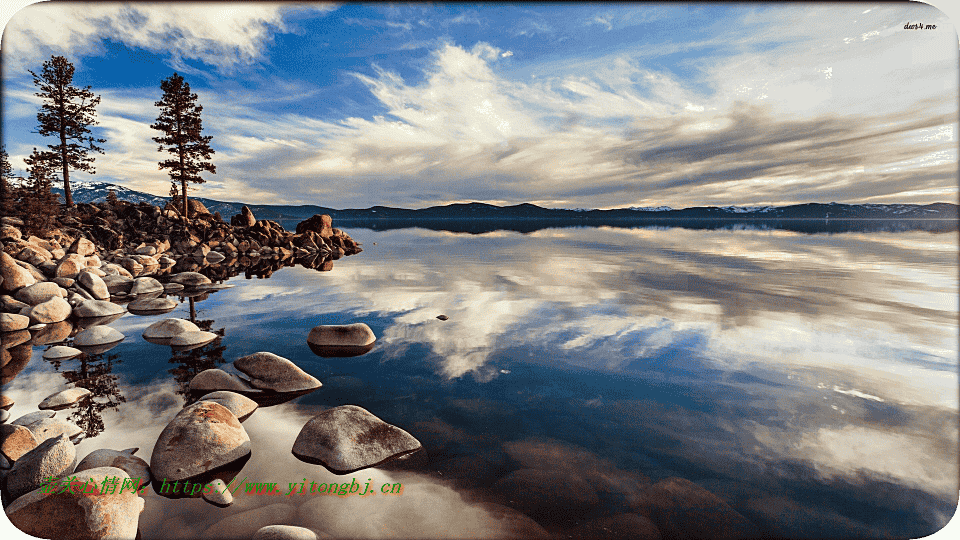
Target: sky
(592, 105)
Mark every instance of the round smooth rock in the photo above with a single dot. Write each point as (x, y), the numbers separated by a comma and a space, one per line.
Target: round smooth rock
(11, 322)
(349, 438)
(117, 283)
(97, 336)
(52, 457)
(210, 380)
(39, 292)
(136, 468)
(190, 279)
(202, 436)
(94, 284)
(53, 310)
(64, 398)
(341, 340)
(15, 441)
(145, 285)
(61, 352)
(217, 494)
(241, 406)
(161, 332)
(284, 532)
(268, 371)
(151, 306)
(192, 340)
(79, 515)
(44, 428)
(97, 308)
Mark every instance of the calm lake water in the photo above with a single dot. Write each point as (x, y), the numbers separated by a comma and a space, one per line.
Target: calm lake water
(808, 380)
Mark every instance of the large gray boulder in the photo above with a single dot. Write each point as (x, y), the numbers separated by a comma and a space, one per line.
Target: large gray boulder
(161, 332)
(349, 438)
(39, 292)
(146, 285)
(76, 515)
(117, 284)
(97, 337)
(341, 340)
(53, 457)
(190, 279)
(45, 428)
(151, 306)
(61, 352)
(202, 436)
(268, 371)
(191, 340)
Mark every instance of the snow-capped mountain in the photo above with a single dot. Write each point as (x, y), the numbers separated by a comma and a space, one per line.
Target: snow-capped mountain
(86, 191)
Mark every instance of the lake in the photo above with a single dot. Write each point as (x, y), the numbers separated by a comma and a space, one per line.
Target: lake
(808, 380)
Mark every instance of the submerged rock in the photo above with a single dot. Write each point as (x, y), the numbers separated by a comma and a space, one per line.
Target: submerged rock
(84, 514)
(349, 438)
(683, 509)
(341, 340)
(202, 437)
(268, 371)
(64, 398)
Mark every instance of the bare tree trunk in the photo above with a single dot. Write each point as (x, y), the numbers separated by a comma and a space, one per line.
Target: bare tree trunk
(68, 197)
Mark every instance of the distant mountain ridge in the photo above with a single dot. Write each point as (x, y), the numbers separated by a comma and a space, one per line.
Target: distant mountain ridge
(86, 191)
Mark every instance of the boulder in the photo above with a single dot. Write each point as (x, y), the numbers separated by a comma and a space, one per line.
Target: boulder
(341, 340)
(65, 398)
(117, 284)
(6, 402)
(349, 438)
(14, 276)
(321, 224)
(97, 337)
(45, 428)
(9, 304)
(268, 371)
(16, 440)
(210, 380)
(203, 436)
(244, 219)
(53, 333)
(241, 406)
(541, 493)
(39, 293)
(190, 279)
(10, 322)
(80, 513)
(11, 233)
(136, 468)
(61, 352)
(145, 285)
(97, 308)
(83, 247)
(196, 208)
(94, 284)
(151, 306)
(53, 310)
(161, 332)
(70, 266)
(214, 257)
(191, 340)
(284, 532)
(53, 457)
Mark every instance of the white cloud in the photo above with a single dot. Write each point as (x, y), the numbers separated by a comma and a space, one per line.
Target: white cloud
(219, 34)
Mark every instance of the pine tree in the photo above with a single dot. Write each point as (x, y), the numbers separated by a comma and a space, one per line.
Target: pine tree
(6, 174)
(179, 120)
(38, 204)
(67, 113)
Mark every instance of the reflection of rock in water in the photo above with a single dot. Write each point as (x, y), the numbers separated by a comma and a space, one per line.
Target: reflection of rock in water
(13, 360)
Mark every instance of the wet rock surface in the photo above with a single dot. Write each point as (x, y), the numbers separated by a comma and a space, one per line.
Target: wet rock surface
(268, 371)
(349, 438)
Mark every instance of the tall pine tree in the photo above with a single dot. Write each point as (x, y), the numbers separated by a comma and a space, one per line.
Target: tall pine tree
(6, 174)
(180, 123)
(67, 113)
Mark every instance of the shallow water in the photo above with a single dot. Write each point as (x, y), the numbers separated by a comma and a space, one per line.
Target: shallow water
(808, 380)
